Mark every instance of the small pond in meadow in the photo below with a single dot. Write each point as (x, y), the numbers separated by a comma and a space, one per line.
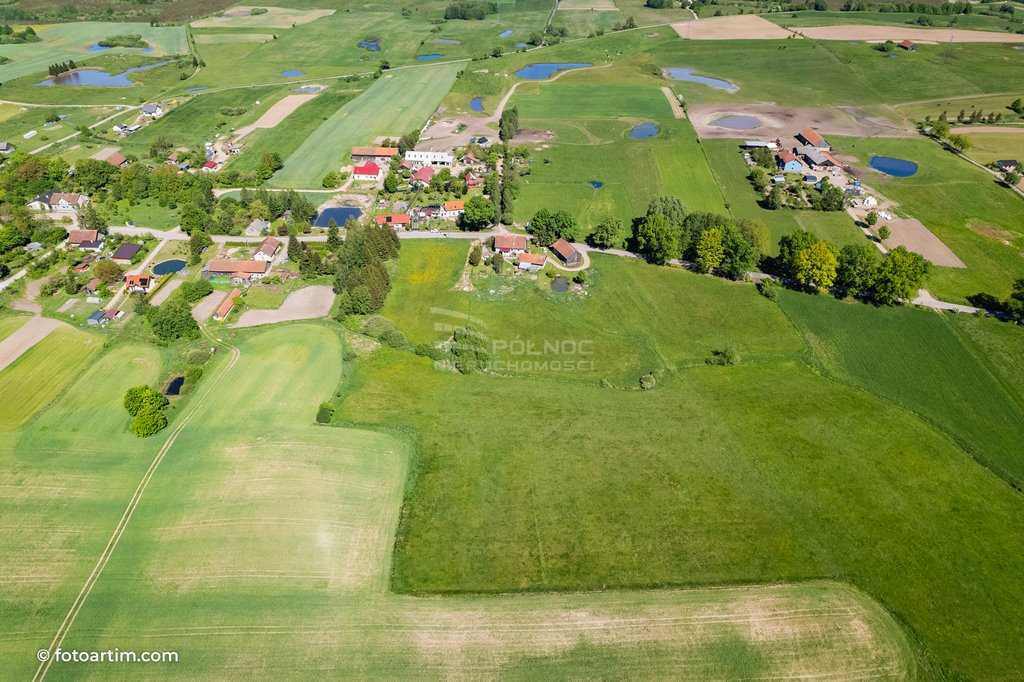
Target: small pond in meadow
(898, 168)
(596, 184)
(560, 284)
(684, 74)
(292, 73)
(340, 215)
(537, 72)
(425, 57)
(373, 45)
(505, 34)
(174, 388)
(477, 104)
(644, 131)
(197, 88)
(446, 41)
(520, 46)
(98, 77)
(736, 122)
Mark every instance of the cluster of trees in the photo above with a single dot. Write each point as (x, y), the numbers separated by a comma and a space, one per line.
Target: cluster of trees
(509, 123)
(660, 4)
(548, 227)
(128, 40)
(9, 35)
(470, 9)
(311, 262)
(945, 9)
(61, 67)
(1015, 303)
(361, 279)
(172, 320)
(145, 405)
(814, 265)
(798, 195)
(965, 117)
(940, 130)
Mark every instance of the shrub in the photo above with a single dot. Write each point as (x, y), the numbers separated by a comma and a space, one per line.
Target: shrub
(142, 398)
(724, 356)
(325, 413)
(193, 373)
(257, 10)
(429, 351)
(768, 288)
(148, 423)
(377, 326)
(476, 255)
(647, 382)
(394, 339)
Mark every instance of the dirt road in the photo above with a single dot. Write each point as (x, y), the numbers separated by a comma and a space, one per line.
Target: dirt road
(30, 333)
(275, 114)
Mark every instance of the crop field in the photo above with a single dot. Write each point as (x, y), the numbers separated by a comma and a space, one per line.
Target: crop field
(274, 17)
(47, 367)
(976, 217)
(591, 123)
(9, 325)
(61, 42)
(762, 472)
(396, 103)
(965, 21)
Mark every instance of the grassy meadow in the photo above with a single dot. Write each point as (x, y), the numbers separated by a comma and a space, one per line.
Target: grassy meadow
(11, 324)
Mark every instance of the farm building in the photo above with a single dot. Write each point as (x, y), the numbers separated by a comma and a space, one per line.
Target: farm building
(112, 314)
(6, 148)
(54, 200)
(236, 271)
(124, 253)
(908, 45)
(816, 157)
(811, 138)
(172, 159)
(87, 240)
(380, 155)
(267, 249)
(790, 162)
(760, 144)
(225, 308)
(423, 175)
(368, 171)
(210, 166)
(117, 159)
(510, 244)
(95, 318)
(152, 110)
(453, 209)
(430, 158)
(531, 262)
(394, 219)
(567, 252)
(137, 284)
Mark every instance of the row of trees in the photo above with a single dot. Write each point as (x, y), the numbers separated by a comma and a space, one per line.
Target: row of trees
(61, 67)
(470, 9)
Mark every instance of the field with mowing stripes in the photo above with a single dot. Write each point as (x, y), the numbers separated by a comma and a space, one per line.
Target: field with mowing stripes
(9, 325)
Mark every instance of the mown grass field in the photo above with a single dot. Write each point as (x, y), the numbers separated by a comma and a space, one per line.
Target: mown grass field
(263, 546)
(764, 472)
(978, 22)
(989, 147)
(61, 42)
(397, 103)
(9, 325)
(965, 207)
(15, 121)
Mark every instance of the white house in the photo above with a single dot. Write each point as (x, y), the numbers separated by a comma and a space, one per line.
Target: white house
(55, 200)
(531, 262)
(152, 110)
(268, 248)
(510, 244)
(430, 158)
(368, 171)
(451, 210)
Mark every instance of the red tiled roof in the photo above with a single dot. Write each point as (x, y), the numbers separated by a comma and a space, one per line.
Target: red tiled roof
(137, 281)
(225, 307)
(424, 174)
(455, 205)
(907, 43)
(393, 219)
(563, 248)
(210, 164)
(532, 258)
(269, 246)
(374, 151)
(116, 159)
(788, 156)
(79, 236)
(508, 242)
(369, 168)
(238, 266)
(811, 136)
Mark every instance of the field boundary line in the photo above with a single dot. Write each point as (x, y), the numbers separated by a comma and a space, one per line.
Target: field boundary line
(133, 503)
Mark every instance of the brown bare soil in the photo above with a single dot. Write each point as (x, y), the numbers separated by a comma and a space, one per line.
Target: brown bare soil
(275, 114)
(784, 122)
(737, 27)
(898, 33)
(673, 102)
(304, 304)
(205, 307)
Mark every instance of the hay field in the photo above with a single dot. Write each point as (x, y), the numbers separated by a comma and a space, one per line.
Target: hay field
(275, 17)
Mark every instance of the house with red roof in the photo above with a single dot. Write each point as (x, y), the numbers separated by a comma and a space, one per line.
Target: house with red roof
(225, 307)
(453, 209)
(236, 270)
(810, 137)
(473, 181)
(908, 45)
(267, 249)
(789, 162)
(423, 175)
(567, 252)
(137, 284)
(210, 166)
(394, 219)
(87, 240)
(531, 262)
(510, 244)
(368, 171)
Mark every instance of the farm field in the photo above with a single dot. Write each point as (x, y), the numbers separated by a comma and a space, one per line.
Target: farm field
(963, 21)
(753, 440)
(966, 208)
(397, 103)
(988, 147)
(61, 42)
(9, 325)
(15, 121)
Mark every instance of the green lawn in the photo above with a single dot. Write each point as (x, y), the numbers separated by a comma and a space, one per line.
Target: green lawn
(397, 103)
(9, 325)
(989, 147)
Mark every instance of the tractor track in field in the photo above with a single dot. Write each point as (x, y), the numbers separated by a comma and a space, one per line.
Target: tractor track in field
(122, 524)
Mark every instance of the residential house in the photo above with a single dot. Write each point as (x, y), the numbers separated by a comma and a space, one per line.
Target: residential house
(152, 110)
(137, 284)
(1007, 165)
(510, 244)
(225, 307)
(368, 171)
(423, 176)
(87, 240)
(908, 45)
(267, 249)
(6, 148)
(453, 209)
(92, 286)
(567, 252)
(394, 219)
(210, 166)
(237, 271)
(426, 158)
(810, 136)
(257, 227)
(85, 263)
(531, 262)
(117, 160)
(55, 200)
(112, 314)
(379, 155)
(172, 159)
(469, 159)
(427, 212)
(790, 162)
(473, 181)
(120, 129)
(124, 253)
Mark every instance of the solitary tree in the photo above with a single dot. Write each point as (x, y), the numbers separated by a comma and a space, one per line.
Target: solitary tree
(479, 213)
(899, 276)
(107, 271)
(609, 233)
(710, 250)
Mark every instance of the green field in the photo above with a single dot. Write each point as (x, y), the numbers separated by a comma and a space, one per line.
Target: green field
(15, 121)
(969, 21)
(989, 147)
(397, 103)
(47, 368)
(9, 325)
(61, 42)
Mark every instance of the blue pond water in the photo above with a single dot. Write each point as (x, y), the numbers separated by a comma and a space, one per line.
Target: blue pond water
(291, 73)
(373, 45)
(98, 77)
(682, 74)
(168, 266)
(446, 41)
(737, 122)
(521, 45)
(197, 88)
(644, 131)
(476, 104)
(96, 48)
(307, 88)
(898, 168)
(340, 215)
(596, 184)
(538, 72)
(425, 57)
(505, 34)
(174, 388)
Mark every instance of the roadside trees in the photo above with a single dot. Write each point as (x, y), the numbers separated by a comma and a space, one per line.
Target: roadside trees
(899, 276)
(656, 239)
(479, 214)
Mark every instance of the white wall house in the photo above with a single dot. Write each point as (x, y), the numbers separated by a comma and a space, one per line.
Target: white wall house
(430, 158)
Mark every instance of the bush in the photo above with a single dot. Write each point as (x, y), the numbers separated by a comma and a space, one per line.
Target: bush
(193, 373)
(148, 423)
(394, 339)
(647, 382)
(724, 356)
(325, 413)
(429, 351)
(377, 326)
(194, 290)
(767, 288)
(476, 255)
(139, 399)
(197, 357)
(257, 10)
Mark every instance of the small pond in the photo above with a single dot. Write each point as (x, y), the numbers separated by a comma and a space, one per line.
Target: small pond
(560, 284)
(644, 131)
(520, 46)
(174, 388)
(340, 216)
(197, 88)
(683, 74)
(538, 72)
(476, 104)
(446, 41)
(425, 57)
(373, 45)
(97, 48)
(596, 184)
(307, 88)
(168, 266)
(292, 73)
(505, 34)
(98, 77)
(898, 168)
(737, 122)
